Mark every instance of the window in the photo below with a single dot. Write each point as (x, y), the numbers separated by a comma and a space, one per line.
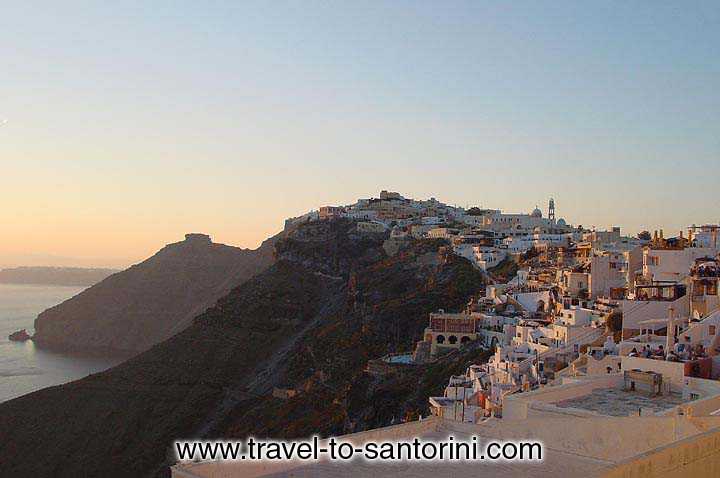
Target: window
(712, 330)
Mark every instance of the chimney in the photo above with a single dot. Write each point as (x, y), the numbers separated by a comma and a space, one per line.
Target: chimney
(670, 340)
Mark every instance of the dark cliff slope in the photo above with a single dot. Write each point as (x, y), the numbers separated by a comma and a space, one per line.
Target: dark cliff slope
(310, 322)
(386, 310)
(132, 310)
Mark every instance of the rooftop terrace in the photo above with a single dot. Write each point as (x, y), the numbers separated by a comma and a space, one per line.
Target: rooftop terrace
(615, 402)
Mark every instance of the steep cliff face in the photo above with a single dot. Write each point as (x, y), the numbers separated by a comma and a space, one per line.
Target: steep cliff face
(132, 310)
(386, 306)
(311, 321)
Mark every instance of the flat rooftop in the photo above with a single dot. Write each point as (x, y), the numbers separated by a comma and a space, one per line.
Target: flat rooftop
(615, 402)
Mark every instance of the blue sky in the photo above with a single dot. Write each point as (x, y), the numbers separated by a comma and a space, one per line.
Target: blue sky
(131, 123)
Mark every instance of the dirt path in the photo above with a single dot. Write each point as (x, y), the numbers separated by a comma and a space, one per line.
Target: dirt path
(268, 373)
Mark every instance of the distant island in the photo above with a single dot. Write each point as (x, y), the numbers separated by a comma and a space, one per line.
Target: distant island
(61, 276)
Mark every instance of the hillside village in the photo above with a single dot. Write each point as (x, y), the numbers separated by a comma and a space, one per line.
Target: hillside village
(576, 294)
(485, 237)
(620, 332)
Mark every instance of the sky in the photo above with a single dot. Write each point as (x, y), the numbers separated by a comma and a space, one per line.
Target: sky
(128, 124)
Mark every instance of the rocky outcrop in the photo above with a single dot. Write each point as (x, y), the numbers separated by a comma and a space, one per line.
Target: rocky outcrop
(132, 310)
(19, 336)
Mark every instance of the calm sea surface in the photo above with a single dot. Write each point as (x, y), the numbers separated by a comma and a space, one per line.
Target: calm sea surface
(23, 367)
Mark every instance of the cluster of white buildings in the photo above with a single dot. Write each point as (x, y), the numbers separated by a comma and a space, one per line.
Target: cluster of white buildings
(486, 237)
(580, 293)
(605, 305)
(532, 335)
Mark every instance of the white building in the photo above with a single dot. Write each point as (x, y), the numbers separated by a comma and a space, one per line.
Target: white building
(705, 236)
(443, 233)
(488, 257)
(518, 245)
(614, 267)
(672, 264)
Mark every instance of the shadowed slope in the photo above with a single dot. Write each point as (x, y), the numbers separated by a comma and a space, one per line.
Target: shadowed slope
(132, 310)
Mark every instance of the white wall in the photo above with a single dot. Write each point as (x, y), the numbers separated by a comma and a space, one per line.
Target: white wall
(529, 300)
(673, 265)
(674, 372)
(635, 311)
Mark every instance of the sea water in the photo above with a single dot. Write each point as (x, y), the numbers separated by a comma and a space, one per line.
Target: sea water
(23, 367)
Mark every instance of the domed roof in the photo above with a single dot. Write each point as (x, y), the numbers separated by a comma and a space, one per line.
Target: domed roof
(536, 213)
(561, 222)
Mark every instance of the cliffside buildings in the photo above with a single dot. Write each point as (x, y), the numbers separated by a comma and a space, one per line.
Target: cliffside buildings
(561, 311)
(486, 237)
(450, 331)
(578, 291)
(604, 347)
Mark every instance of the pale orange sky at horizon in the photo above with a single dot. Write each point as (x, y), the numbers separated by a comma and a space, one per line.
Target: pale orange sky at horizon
(127, 126)
(89, 229)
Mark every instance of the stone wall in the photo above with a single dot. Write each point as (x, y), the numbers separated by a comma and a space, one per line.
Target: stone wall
(672, 372)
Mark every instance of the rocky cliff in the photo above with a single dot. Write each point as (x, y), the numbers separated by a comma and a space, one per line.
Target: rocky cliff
(132, 310)
(332, 301)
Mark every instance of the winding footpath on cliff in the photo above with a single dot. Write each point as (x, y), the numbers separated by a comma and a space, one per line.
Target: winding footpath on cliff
(267, 374)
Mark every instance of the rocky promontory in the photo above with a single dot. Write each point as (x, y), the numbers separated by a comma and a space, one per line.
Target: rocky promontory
(132, 310)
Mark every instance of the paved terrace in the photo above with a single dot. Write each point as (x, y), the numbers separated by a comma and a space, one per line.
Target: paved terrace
(619, 403)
